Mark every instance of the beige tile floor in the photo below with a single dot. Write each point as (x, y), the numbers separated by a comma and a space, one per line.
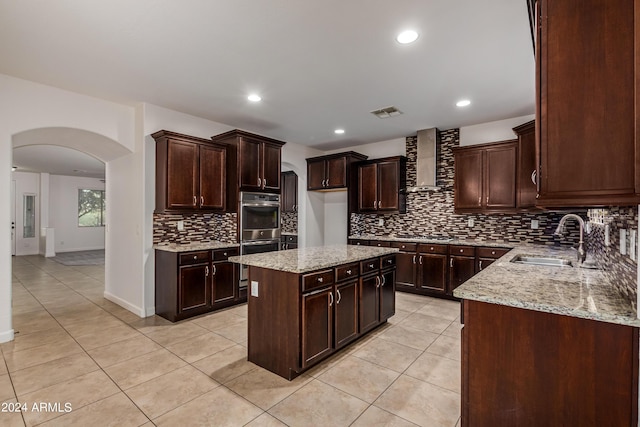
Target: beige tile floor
(74, 347)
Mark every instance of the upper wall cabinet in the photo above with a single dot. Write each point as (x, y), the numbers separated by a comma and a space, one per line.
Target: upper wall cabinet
(587, 65)
(331, 172)
(526, 167)
(289, 199)
(382, 185)
(190, 173)
(253, 164)
(485, 177)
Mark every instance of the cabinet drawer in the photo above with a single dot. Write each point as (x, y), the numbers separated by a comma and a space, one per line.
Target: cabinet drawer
(317, 280)
(290, 239)
(491, 252)
(194, 257)
(349, 271)
(462, 250)
(404, 246)
(432, 249)
(358, 242)
(223, 254)
(369, 266)
(388, 261)
(380, 244)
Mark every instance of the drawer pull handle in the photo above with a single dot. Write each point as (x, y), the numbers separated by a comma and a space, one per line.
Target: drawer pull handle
(420, 259)
(320, 279)
(431, 248)
(461, 250)
(195, 257)
(383, 281)
(480, 264)
(377, 281)
(390, 261)
(206, 271)
(349, 272)
(330, 299)
(493, 252)
(414, 259)
(225, 254)
(339, 296)
(370, 265)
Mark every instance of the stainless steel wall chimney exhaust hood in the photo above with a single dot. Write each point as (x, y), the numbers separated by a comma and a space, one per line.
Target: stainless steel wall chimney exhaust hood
(426, 161)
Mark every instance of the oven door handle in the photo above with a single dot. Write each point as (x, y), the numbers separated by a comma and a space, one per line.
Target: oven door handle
(261, 204)
(262, 242)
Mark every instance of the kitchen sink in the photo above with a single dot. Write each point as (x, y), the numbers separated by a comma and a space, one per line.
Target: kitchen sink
(534, 260)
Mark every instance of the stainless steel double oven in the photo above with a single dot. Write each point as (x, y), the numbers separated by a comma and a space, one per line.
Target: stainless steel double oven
(259, 226)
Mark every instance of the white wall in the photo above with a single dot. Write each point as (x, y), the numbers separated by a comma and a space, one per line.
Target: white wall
(500, 130)
(44, 211)
(26, 107)
(26, 183)
(63, 214)
(375, 150)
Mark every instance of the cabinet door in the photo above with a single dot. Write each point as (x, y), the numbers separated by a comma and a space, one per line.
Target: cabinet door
(388, 185)
(484, 263)
(212, 177)
(468, 180)
(336, 173)
(387, 295)
(368, 301)
(224, 281)
(182, 175)
(271, 167)
(289, 181)
(432, 272)
(405, 273)
(316, 175)
(317, 325)
(526, 187)
(588, 147)
(460, 269)
(346, 313)
(194, 291)
(500, 177)
(367, 188)
(250, 164)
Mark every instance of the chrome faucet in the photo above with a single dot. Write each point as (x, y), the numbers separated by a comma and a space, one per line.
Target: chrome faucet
(582, 254)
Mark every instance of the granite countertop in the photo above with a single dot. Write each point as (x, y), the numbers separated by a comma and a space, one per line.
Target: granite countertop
(435, 239)
(570, 291)
(195, 246)
(288, 233)
(305, 260)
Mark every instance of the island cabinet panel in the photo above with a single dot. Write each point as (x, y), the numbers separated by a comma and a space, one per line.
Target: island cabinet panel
(528, 368)
(297, 319)
(195, 282)
(589, 148)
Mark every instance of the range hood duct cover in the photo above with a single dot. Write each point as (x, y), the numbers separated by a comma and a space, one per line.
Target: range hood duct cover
(426, 161)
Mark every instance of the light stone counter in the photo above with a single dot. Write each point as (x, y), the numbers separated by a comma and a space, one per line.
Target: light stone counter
(570, 291)
(305, 260)
(195, 246)
(433, 240)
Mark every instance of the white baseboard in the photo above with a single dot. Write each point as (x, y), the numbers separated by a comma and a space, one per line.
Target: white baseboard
(124, 304)
(151, 311)
(91, 248)
(6, 336)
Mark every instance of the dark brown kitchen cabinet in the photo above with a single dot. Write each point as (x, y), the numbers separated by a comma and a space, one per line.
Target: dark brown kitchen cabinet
(485, 177)
(487, 255)
(195, 282)
(190, 173)
(387, 293)
(346, 313)
(317, 325)
(526, 190)
(289, 198)
(431, 268)
(462, 265)
(332, 171)
(288, 241)
(253, 164)
(525, 368)
(377, 291)
(588, 133)
(369, 302)
(381, 185)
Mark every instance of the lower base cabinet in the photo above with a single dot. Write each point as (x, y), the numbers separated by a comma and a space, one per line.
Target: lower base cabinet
(528, 368)
(312, 315)
(191, 283)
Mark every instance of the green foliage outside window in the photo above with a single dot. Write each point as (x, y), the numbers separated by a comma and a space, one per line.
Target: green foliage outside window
(91, 208)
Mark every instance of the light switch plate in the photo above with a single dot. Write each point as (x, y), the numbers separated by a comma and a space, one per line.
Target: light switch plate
(180, 225)
(470, 222)
(381, 222)
(607, 238)
(623, 241)
(254, 288)
(534, 224)
(633, 240)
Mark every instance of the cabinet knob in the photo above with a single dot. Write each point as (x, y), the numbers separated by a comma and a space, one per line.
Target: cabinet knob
(225, 254)
(320, 279)
(349, 272)
(370, 265)
(195, 257)
(461, 250)
(403, 246)
(493, 252)
(390, 261)
(431, 248)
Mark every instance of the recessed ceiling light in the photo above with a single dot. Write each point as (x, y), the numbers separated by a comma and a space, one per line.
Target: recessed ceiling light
(463, 103)
(339, 131)
(254, 98)
(408, 36)
(13, 168)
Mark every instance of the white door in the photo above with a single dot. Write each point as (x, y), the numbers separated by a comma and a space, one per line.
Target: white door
(13, 217)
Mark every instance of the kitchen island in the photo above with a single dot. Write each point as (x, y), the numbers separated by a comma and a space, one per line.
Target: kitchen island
(547, 345)
(305, 304)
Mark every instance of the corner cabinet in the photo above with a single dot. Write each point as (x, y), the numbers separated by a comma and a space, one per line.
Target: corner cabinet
(190, 173)
(382, 185)
(485, 177)
(331, 172)
(253, 163)
(195, 282)
(588, 127)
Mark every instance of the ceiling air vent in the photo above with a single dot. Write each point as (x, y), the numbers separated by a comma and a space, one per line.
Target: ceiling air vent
(386, 112)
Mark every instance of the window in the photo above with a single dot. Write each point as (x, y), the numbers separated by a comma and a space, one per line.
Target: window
(91, 207)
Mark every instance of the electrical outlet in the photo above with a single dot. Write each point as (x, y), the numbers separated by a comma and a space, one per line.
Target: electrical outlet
(607, 237)
(380, 222)
(470, 222)
(180, 225)
(633, 240)
(623, 241)
(254, 288)
(534, 224)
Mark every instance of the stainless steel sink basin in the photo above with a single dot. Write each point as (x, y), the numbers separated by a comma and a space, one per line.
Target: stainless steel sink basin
(548, 261)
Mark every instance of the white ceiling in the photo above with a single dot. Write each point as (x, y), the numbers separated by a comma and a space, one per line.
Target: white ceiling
(57, 160)
(318, 64)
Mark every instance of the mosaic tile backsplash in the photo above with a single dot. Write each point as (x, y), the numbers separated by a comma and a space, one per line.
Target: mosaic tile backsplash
(431, 214)
(289, 222)
(198, 227)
